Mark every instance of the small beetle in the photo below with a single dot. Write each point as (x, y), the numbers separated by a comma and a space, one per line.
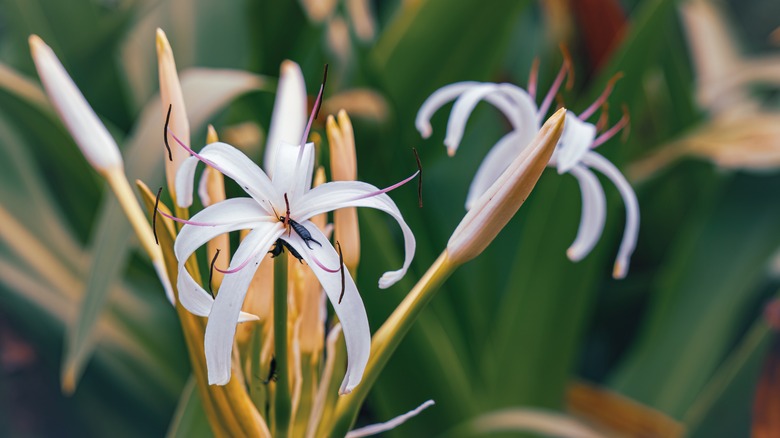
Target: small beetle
(279, 247)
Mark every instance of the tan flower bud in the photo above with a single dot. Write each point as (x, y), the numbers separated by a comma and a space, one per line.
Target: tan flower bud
(343, 166)
(502, 200)
(91, 136)
(171, 94)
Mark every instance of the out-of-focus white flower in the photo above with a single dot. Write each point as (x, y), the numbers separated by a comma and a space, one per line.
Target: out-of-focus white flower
(573, 154)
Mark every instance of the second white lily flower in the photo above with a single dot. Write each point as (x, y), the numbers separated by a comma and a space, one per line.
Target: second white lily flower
(574, 153)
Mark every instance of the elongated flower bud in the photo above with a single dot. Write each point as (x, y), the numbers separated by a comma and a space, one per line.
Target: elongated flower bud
(501, 201)
(92, 137)
(173, 99)
(343, 166)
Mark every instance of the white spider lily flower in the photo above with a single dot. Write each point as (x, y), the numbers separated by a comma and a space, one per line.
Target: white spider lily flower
(573, 154)
(91, 136)
(278, 211)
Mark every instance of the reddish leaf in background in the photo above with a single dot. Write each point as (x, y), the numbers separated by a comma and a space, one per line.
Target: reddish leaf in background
(602, 25)
(766, 406)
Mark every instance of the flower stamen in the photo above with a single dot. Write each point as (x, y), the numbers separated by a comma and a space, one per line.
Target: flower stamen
(603, 97)
(565, 68)
(211, 273)
(622, 123)
(533, 78)
(154, 216)
(387, 189)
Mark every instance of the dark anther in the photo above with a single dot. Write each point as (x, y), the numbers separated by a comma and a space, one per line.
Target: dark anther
(165, 133)
(341, 269)
(324, 80)
(419, 178)
(154, 216)
(211, 272)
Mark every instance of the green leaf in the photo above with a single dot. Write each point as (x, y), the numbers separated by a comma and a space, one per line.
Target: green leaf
(709, 285)
(189, 420)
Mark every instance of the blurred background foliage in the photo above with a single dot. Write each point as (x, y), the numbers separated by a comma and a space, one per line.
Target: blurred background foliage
(683, 335)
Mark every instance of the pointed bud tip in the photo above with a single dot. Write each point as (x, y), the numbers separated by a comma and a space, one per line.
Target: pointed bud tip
(211, 134)
(619, 271)
(162, 42)
(36, 43)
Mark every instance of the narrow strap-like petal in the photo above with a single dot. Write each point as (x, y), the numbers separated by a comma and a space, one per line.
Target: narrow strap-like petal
(462, 109)
(594, 212)
(389, 425)
(199, 302)
(340, 194)
(237, 166)
(496, 161)
(289, 115)
(185, 178)
(221, 326)
(290, 176)
(437, 100)
(574, 143)
(349, 308)
(229, 215)
(630, 234)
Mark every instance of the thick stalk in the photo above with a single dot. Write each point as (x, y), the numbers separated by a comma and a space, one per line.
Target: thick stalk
(387, 339)
(282, 401)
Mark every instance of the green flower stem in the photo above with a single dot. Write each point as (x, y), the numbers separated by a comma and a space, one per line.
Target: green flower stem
(282, 402)
(387, 339)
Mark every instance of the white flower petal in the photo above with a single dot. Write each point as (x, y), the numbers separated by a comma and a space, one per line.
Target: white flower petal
(233, 164)
(461, 111)
(340, 194)
(525, 110)
(388, 425)
(289, 115)
(199, 302)
(221, 326)
(184, 182)
(496, 162)
(290, 176)
(229, 215)
(203, 190)
(594, 212)
(351, 312)
(574, 143)
(630, 234)
(92, 137)
(437, 100)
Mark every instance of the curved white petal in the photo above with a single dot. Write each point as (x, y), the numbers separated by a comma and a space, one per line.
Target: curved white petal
(574, 143)
(221, 326)
(199, 302)
(235, 165)
(340, 194)
(203, 190)
(351, 312)
(594, 213)
(229, 215)
(289, 115)
(461, 111)
(525, 108)
(496, 162)
(184, 182)
(389, 425)
(290, 175)
(435, 101)
(627, 245)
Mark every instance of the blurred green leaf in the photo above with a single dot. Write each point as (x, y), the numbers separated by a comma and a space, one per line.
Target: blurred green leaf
(189, 420)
